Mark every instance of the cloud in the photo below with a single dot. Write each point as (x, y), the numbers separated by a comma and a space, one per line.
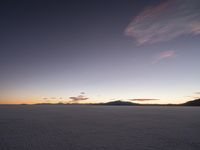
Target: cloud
(144, 99)
(164, 55)
(78, 98)
(197, 93)
(166, 21)
(193, 97)
(52, 98)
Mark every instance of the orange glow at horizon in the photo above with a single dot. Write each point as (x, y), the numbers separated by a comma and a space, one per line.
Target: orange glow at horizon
(41, 100)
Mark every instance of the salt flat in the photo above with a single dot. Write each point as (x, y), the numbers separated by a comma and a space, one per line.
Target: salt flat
(59, 127)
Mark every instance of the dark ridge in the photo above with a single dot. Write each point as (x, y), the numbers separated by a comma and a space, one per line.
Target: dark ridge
(125, 103)
(121, 103)
(192, 103)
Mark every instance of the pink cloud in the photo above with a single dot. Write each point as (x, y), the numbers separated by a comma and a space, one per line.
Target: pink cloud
(78, 98)
(164, 55)
(144, 99)
(166, 21)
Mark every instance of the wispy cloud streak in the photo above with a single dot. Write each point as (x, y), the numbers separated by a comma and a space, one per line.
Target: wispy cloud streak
(144, 99)
(166, 21)
(78, 98)
(164, 55)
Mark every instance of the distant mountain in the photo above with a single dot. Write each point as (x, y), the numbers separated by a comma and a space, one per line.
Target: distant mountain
(192, 103)
(127, 103)
(121, 103)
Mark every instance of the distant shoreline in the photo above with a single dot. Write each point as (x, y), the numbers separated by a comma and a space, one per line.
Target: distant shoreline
(117, 103)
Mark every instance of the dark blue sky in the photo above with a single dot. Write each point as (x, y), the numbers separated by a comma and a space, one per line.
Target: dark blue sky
(108, 49)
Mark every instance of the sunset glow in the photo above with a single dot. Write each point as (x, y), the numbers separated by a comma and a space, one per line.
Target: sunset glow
(139, 51)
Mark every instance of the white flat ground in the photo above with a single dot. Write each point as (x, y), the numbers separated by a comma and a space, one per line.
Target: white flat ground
(99, 128)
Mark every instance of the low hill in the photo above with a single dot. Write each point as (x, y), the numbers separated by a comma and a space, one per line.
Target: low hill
(121, 103)
(192, 103)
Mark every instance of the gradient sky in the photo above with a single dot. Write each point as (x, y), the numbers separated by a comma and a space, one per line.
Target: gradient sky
(99, 50)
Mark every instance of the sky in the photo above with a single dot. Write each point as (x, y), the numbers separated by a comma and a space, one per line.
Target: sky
(97, 51)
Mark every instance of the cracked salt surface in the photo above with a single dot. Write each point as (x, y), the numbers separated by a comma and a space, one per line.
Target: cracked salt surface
(59, 127)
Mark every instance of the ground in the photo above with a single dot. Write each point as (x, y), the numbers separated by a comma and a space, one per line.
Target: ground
(59, 127)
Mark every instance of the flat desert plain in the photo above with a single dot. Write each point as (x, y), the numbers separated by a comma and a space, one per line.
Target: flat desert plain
(60, 127)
